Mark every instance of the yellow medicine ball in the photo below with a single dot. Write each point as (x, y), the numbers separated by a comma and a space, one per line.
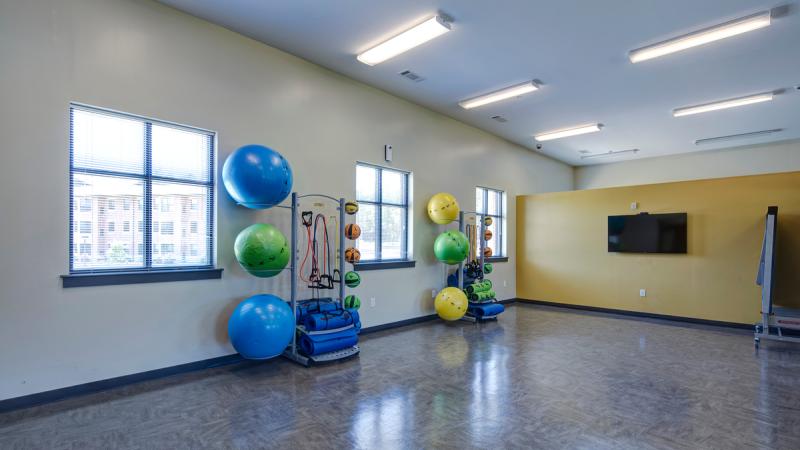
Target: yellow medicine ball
(450, 303)
(443, 208)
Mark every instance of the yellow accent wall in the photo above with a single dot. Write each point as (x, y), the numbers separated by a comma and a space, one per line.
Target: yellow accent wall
(562, 252)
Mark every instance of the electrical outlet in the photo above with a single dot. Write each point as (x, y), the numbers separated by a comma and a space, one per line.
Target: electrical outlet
(634, 205)
(433, 293)
(642, 292)
(372, 302)
(505, 283)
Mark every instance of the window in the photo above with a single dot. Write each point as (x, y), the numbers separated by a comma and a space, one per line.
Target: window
(382, 196)
(144, 172)
(167, 228)
(85, 226)
(492, 203)
(85, 204)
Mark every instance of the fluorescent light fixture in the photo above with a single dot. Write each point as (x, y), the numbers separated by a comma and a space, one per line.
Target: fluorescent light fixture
(610, 153)
(732, 137)
(501, 94)
(711, 34)
(424, 32)
(723, 104)
(564, 132)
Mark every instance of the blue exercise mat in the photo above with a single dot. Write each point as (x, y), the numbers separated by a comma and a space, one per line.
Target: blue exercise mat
(317, 344)
(485, 309)
(331, 320)
(306, 307)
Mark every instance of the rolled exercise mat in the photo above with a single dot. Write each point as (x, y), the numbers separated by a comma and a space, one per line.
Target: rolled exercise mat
(306, 307)
(330, 320)
(480, 297)
(357, 319)
(317, 344)
(478, 287)
(480, 310)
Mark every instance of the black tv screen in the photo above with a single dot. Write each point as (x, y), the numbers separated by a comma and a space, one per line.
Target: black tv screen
(647, 233)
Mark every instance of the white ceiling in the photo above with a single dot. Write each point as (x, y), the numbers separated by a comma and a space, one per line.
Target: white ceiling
(577, 49)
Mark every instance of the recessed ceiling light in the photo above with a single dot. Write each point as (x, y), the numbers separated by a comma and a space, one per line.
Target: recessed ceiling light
(732, 137)
(565, 132)
(424, 32)
(500, 94)
(723, 104)
(711, 34)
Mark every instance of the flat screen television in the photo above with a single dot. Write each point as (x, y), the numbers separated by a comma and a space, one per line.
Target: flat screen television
(647, 233)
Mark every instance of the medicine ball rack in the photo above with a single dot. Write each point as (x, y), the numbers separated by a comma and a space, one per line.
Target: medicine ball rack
(479, 217)
(292, 352)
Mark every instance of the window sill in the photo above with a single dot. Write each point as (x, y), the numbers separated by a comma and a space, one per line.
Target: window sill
(116, 278)
(381, 265)
(496, 259)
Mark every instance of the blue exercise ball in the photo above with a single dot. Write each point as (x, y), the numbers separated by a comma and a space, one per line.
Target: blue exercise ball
(261, 327)
(257, 177)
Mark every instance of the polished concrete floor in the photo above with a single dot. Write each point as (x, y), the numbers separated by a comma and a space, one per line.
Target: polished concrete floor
(539, 378)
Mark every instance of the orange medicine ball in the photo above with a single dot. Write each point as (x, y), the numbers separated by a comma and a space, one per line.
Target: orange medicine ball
(487, 252)
(352, 255)
(352, 231)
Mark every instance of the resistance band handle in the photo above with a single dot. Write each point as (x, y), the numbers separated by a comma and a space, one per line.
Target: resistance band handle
(307, 217)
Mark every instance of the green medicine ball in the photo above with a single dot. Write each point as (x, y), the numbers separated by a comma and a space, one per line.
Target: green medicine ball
(488, 268)
(262, 250)
(352, 279)
(352, 302)
(451, 247)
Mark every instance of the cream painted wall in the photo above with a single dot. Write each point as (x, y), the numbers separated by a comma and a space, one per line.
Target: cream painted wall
(145, 58)
(750, 160)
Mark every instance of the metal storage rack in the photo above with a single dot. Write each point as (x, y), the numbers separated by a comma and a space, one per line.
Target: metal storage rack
(292, 352)
(482, 245)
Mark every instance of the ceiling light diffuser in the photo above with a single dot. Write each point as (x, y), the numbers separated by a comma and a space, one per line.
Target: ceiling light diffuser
(723, 104)
(565, 132)
(424, 32)
(711, 34)
(501, 94)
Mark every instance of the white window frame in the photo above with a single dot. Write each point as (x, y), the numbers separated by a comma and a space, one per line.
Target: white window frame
(407, 243)
(500, 219)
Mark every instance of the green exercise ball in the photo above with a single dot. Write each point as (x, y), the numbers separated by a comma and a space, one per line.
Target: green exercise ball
(352, 302)
(352, 279)
(488, 268)
(451, 247)
(262, 250)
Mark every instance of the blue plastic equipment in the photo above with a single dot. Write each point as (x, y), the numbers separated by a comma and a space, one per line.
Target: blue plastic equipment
(261, 326)
(257, 177)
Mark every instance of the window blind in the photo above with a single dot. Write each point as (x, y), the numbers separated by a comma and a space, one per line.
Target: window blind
(129, 169)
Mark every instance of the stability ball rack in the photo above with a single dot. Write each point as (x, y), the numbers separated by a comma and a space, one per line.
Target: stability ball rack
(292, 352)
(482, 245)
